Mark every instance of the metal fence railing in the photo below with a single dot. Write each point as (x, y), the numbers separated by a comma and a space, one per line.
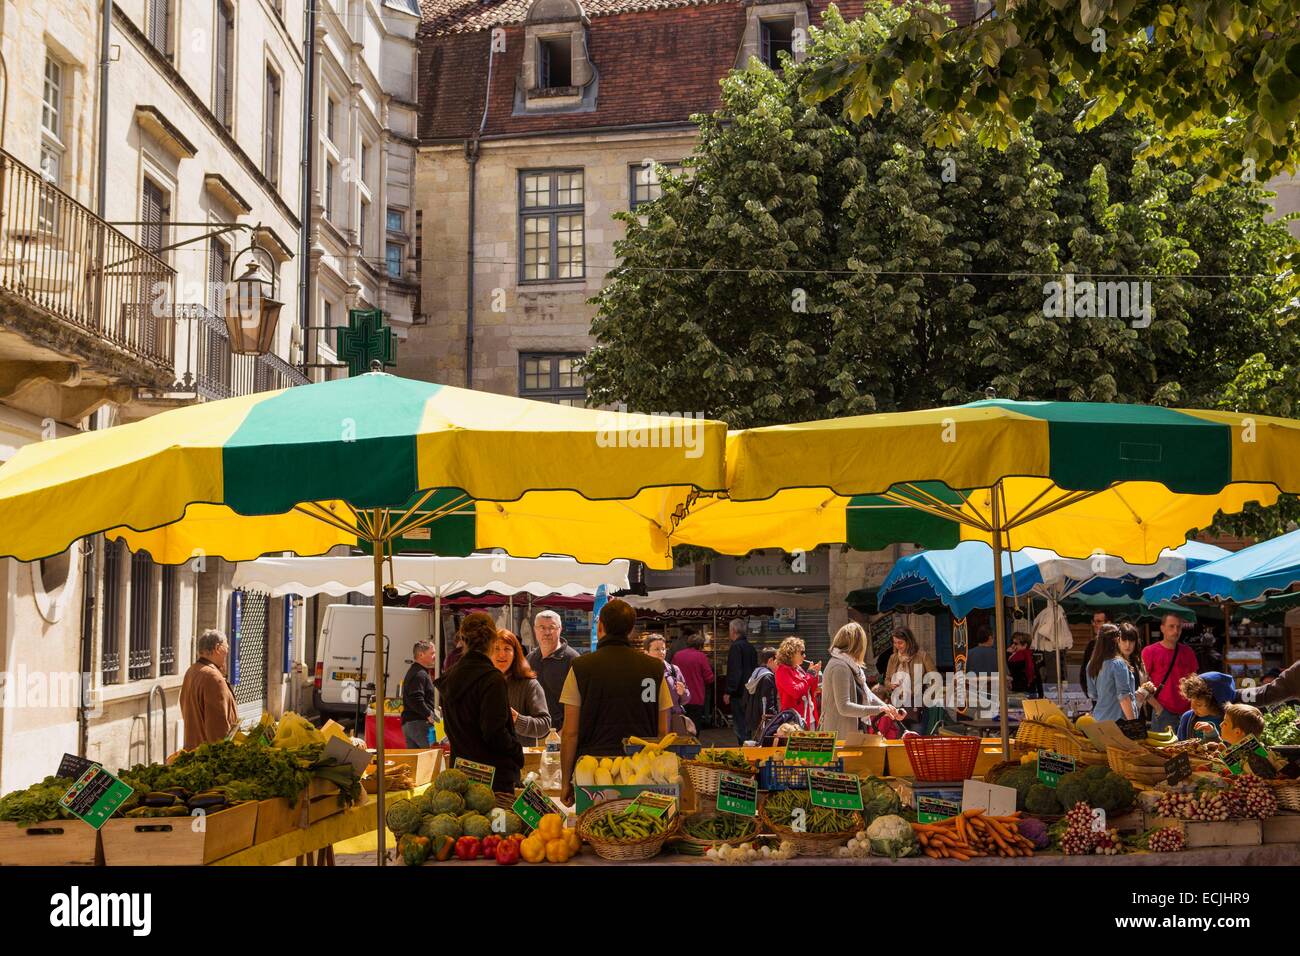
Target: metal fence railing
(213, 371)
(59, 256)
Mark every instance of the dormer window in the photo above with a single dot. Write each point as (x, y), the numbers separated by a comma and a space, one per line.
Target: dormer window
(777, 37)
(555, 62)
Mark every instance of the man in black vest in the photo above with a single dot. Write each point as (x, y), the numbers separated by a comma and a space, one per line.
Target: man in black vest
(612, 693)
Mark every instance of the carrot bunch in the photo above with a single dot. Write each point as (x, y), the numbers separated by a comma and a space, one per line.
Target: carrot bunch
(970, 834)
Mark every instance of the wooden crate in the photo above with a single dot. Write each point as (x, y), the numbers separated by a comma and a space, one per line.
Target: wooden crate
(424, 764)
(1218, 833)
(172, 841)
(52, 843)
(1283, 828)
(864, 761)
(278, 816)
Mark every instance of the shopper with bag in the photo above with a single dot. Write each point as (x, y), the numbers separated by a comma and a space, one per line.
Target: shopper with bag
(1167, 662)
(797, 688)
(656, 646)
(760, 692)
(847, 702)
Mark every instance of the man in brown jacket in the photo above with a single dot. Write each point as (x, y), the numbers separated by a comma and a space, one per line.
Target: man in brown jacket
(207, 705)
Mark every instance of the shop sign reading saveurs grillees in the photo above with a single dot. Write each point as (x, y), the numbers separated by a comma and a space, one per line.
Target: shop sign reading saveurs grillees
(76, 909)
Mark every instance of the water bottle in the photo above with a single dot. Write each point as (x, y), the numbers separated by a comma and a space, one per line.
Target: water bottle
(550, 769)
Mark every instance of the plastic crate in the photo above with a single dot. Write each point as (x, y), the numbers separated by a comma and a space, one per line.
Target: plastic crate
(778, 775)
(942, 758)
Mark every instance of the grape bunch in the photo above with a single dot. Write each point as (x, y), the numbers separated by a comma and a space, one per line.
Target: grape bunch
(1250, 797)
(1166, 840)
(1079, 838)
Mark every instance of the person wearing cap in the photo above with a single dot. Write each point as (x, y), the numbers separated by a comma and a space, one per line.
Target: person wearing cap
(1207, 694)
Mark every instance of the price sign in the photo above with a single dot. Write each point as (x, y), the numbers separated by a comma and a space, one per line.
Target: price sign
(1179, 768)
(1238, 757)
(655, 804)
(1135, 729)
(815, 747)
(1053, 766)
(71, 767)
(934, 809)
(532, 805)
(839, 791)
(478, 772)
(738, 795)
(95, 795)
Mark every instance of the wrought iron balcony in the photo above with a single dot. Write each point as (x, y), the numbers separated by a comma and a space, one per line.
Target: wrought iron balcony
(213, 371)
(60, 261)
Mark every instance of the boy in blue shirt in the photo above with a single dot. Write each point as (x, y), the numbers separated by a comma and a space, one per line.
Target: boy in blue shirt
(1208, 694)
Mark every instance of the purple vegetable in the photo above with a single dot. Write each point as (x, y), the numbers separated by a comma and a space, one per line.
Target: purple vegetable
(1034, 830)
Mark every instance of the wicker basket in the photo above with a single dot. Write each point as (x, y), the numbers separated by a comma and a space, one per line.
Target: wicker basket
(942, 758)
(606, 849)
(811, 844)
(1037, 736)
(694, 846)
(1287, 793)
(705, 777)
(1121, 761)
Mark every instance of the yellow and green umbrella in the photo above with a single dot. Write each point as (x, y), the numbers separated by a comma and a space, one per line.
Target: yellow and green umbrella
(371, 459)
(1072, 477)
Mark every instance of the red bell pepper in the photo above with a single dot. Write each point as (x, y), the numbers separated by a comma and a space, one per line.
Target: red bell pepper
(490, 845)
(507, 851)
(468, 848)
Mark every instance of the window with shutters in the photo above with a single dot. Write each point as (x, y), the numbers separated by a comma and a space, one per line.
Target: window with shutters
(160, 26)
(776, 37)
(223, 74)
(331, 171)
(110, 659)
(155, 211)
(140, 660)
(361, 226)
(271, 128)
(215, 365)
(331, 118)
(168, 626)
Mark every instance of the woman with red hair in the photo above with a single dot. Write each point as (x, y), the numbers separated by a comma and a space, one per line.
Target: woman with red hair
(527, 698)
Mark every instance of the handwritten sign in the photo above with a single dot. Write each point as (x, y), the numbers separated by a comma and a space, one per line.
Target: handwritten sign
(95, 795)
(532, 805)
(934, 809)
(1238, 757)
(654, 804)
(1180, 768)
(1135, 729)
(840, 791)
(738, 795)
(71, 767)
(816, 747)
(1053, 766)
(478, 772)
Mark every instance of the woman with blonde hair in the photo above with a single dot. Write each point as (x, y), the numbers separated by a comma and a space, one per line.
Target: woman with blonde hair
(846, 699)
(796, 688)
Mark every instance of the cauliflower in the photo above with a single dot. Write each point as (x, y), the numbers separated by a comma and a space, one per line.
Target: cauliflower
(891, 836)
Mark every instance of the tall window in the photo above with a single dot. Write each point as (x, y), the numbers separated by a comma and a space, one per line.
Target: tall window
(140, 662)
(365, 162)
(271, 128)
(155, 211)
(331, 170)
(167, 639)
(52, 96)
(110, 647)
(777, 37)
(550, 225)
(552, 377)
(361, 226)
(331, 119)
(218, 274)
(52, 99)
(643, 182)
(214, 365)
(223, 79)
(393, 259)
(160, 26)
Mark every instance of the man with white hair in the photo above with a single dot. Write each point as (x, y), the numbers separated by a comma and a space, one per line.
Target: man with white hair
(742, 661)
(207, 704)
(551, 661)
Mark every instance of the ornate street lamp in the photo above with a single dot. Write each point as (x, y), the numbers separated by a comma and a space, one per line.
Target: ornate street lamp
(252, 311)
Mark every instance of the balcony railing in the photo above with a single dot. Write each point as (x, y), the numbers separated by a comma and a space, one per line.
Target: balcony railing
(213, 371)
(60, 257)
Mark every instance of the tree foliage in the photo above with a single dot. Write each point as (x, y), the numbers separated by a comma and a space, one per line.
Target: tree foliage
(809, 266)
(1184, 66)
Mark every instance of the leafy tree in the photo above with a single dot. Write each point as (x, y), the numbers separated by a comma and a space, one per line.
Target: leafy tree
(813, 266)
(1183, 66)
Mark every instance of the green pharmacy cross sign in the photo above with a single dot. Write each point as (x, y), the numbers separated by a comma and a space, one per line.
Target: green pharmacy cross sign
(366, 340)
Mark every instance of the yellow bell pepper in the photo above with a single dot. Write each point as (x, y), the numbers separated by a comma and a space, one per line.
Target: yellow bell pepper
(557, 850)
(551, 827)
(575, 842)
(533, 849)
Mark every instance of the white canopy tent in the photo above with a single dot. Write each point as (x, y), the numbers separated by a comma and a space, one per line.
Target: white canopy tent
(719, 597)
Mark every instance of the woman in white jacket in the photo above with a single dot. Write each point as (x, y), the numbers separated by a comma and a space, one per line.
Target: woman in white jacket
(846, 698)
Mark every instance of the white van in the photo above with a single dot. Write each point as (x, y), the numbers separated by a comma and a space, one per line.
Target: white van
(344, 629)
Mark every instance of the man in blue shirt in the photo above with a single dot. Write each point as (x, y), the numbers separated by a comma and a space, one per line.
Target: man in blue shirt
(983, 657)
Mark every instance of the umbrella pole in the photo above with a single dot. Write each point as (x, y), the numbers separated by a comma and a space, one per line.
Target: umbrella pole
(377, 546)
(999, 621)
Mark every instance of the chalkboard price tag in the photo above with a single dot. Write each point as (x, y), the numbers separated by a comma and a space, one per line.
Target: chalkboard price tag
(95, 795)
(478, 772)
(1179, 768)
(1053, 766)
(839, 791)
(533, 804)
(934, 809)
(1135, 729)
(654, 804)
(71, 767)
(813, 747)
(738, 795)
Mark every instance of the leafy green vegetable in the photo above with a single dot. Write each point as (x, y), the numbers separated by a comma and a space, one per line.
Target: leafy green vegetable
(36, 804)
(1281, 728)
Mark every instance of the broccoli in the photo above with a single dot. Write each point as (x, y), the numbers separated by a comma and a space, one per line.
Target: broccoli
(1022, 779)
(1042, 801)
(1112, 793)
(1073, 788)
(1096, 772)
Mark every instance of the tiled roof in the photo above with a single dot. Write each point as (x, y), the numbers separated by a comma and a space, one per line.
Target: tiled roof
(658, 62)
